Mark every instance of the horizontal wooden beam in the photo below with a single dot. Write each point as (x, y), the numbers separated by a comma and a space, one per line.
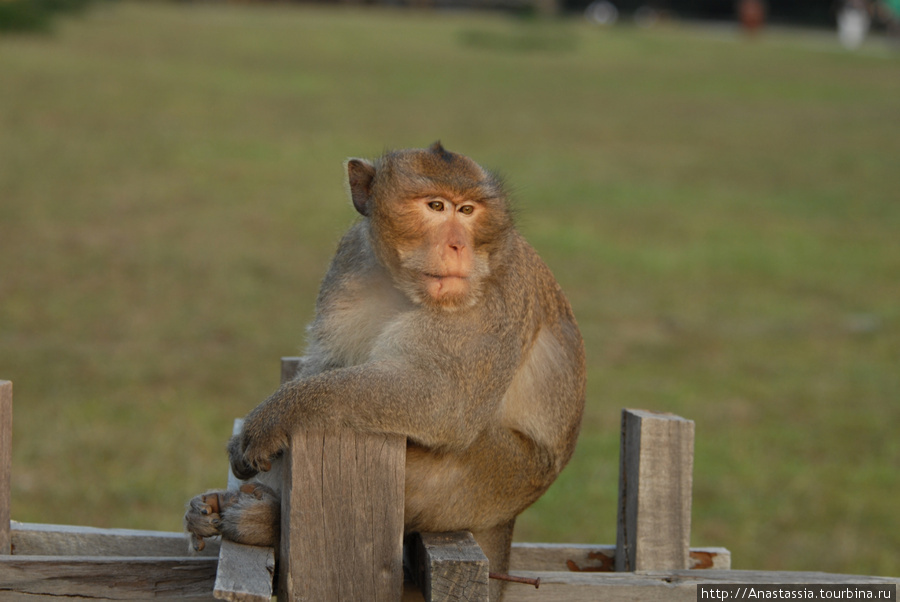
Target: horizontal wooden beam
(662, 586)
(64, 540)
(106, 577)
(57, 561)
(595, 558)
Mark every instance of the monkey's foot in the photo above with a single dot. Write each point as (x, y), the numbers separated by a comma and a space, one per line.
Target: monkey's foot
(203, 518)
(250, 515)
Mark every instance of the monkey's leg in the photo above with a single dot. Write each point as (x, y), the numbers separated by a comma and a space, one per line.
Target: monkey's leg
(251, 515)
(482, 490)
(495, 543)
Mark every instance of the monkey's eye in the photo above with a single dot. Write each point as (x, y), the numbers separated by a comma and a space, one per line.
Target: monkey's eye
(467, 209)
(436, 206)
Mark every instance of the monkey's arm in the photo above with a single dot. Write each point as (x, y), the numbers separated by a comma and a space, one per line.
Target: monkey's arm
(426, 406)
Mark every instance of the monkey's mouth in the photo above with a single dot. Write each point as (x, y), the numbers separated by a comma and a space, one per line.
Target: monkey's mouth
(440, 277)
(441, 286)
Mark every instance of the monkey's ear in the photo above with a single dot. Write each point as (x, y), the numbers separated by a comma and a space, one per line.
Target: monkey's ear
(360, 174)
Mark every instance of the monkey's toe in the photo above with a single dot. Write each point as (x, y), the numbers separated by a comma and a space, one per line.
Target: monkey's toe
(208, 503)
(249, 515)
(202, 519)
(259, 491)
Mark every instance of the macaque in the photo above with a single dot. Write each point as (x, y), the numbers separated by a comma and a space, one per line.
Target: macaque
(438, 322)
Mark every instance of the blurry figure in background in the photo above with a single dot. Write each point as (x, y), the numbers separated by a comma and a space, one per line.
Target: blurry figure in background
(853, 20)
(889, 11)
(752, 15)
(602, 12)
(652, 14)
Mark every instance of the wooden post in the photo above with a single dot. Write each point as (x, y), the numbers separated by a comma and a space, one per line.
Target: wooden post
(342, 517)
(289, 367)
(245, 572)
(342, 524)
(5, 462)
(655, 476)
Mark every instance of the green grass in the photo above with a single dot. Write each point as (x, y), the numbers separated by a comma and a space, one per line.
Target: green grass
(723, 214)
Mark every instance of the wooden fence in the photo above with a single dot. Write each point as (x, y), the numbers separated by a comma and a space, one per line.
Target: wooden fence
(342, 538)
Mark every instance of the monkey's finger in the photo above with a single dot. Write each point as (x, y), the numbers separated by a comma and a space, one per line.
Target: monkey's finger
(250, 464)
(197, 542)
(241, 468)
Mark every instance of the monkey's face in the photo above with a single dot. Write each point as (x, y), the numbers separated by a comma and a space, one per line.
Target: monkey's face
(434, 220)
(434, 249)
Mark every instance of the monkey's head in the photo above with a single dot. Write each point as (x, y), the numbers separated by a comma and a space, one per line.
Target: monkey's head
(436, 220)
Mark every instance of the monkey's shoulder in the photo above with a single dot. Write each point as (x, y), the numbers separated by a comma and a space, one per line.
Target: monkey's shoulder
(528, 282)
(354, 253)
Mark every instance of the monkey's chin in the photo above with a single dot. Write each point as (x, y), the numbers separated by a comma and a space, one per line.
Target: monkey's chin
(447, 291)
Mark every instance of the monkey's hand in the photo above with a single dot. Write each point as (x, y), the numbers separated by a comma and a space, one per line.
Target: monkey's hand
(239, 466)
(263, 437)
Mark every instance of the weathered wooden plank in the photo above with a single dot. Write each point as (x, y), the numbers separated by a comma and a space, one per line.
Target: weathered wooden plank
(450, 567)
(112, 578)
(655, 477)
(342, 524)
(5, 462)
(661, 586)
(64, 540)
(245, 572)
(594, 558)
(234, 483)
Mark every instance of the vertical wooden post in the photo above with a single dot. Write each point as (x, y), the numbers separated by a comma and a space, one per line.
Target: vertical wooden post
(655, 477)
(341, 515)
(289, 367)
(5, 462)
(244, 573)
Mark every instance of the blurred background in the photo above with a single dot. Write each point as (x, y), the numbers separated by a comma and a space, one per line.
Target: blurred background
(714, 184)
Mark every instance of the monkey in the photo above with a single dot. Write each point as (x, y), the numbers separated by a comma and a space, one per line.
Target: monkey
(436, 321)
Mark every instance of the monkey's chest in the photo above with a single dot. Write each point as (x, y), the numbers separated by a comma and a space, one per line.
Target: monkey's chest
(353, 331)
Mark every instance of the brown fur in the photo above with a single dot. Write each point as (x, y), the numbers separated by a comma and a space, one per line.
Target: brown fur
(436, 321)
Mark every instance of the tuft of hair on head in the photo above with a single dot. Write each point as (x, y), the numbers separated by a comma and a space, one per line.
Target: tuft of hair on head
(438, 149)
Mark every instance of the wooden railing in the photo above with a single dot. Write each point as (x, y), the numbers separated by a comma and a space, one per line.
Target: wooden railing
(342, 530)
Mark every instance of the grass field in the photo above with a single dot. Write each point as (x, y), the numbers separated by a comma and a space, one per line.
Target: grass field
(723, 214)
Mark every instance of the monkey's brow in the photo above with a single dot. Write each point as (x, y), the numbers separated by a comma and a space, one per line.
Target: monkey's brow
(453, 197)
